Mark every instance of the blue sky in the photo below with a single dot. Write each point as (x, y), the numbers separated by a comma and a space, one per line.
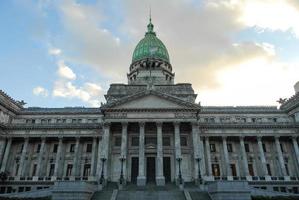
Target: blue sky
(66, 53)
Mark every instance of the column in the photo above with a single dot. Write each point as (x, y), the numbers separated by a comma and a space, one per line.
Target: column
(208, 151)
(105, 146)
(280, 156)
(2, 148)
(226, 157)
(244, 157)
(160, 179)
(99, 162)
(177, 144)
(296, 149)
(6, 154)
(76, 163)
(124, 146)
(93, 156)
(196, 155)
(262, 156)
(39, 168)
(201, 155)
(141, 179)
(22, 169)
(58, 158)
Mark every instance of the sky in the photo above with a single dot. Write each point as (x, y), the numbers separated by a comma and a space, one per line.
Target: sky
(64, 53)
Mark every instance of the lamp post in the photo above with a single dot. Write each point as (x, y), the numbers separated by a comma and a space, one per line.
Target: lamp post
(180, 172)
(102, 179)
(199, 172)
(121, 179)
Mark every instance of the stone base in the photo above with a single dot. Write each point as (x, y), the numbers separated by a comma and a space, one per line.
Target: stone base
(160, 180)
(141, 181)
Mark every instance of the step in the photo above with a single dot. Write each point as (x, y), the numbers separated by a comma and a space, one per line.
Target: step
(150, 195)
(199, 195)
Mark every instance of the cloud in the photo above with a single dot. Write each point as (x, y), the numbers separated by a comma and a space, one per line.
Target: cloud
(274, 15)
(54, 51)
(40, 91)
(89, 93)
(65, 72)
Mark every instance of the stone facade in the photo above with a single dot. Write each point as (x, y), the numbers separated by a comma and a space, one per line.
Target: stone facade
(149, 131)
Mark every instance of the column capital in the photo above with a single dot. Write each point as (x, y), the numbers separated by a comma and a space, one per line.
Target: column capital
(276, 137)
(259, 138)
(224, 138)
(159, 124)
(141, 124)
(206, 138)
(294, 137)
(124, 124)
(176, 124)
(43, 138)
(77, 137)
(242, 137)
(106, 124)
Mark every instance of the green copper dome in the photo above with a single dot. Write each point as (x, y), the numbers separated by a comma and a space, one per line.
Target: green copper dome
(150, 47)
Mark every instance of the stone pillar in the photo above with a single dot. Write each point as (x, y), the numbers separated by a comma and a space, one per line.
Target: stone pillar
(105, 147)
(195, 137)
(280, 156)
(39, 168)
(58, 158)
(141, 179)
(262, 156)
(6, 154)
(244, 157)
(99, 162)
(124, 147)
(22, 169)
(177, 144)
(76, 162)
(208, 151)
(2, 148)
(226, 157)
(201, 155)
(93, 156)
(296, 149)
(160, 179)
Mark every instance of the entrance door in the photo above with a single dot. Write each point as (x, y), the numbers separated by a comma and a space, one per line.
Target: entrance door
(151, 169)
(134, 169)
(167, 169)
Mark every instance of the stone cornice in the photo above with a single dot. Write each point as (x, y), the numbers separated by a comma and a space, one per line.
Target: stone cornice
(240, 110)
(60, 111)
(250, 126)
(53, 126)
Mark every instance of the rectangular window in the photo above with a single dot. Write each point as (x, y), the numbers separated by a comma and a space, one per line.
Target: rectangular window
(269, 169)
(72, 148)
(86, 171)
(151, 140)
(58, 121)
(250, 169)
(117, 141)
(229, 147)
(216, 169)
(17, 169)
(135, 141)
(233, 169)
(287, 169)
(38, 148)
(247, 148)
(51, 171)
(74, 121)
(166, 141)
(282, 148)
(89, 148)
(184, 141)
(63, 121)
(213, 147)
(34, 170)
(55, 147)
(69, 170)
(264, 147)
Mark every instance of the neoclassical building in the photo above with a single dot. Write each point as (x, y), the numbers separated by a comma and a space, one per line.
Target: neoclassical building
(150, 130)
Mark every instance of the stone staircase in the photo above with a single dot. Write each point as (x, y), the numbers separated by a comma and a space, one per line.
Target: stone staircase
(151, 192)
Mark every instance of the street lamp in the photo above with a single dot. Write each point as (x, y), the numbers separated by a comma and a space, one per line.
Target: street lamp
(121, 179)
(199, 173)
(180, 172)
(102, 179)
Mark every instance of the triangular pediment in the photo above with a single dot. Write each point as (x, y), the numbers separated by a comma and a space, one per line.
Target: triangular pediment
(150, 100)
